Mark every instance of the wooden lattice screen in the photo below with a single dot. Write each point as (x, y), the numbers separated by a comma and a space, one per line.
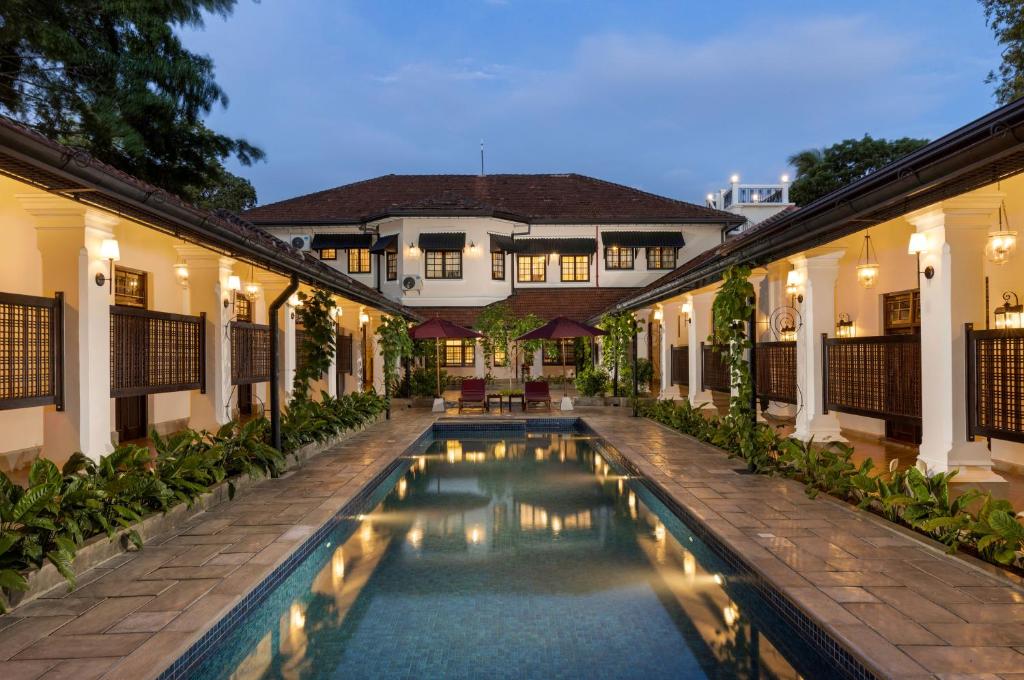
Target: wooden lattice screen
(154, 352)
(878, 377)
(680, 365)
(345, 352)
(995, 383)
(31, 351)
(250, 353)
(714, 372)
(776, 371)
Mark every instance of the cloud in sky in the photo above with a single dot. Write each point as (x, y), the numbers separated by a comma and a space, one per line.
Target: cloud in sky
(671, 111)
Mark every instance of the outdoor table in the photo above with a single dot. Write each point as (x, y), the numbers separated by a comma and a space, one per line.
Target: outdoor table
(516, 395)
(497, 395)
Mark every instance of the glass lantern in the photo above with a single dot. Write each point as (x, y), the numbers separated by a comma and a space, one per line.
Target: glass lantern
(845, 327)
(1001, 246)
(867, 274)
(1007, 315)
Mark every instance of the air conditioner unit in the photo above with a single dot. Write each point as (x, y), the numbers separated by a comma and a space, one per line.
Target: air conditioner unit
(301, 242)
(411, 283)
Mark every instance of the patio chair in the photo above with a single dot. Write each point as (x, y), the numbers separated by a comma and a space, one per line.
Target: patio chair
(536, 392)
(474, 391)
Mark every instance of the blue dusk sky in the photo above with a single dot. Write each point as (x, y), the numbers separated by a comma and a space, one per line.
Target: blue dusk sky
(670, 97)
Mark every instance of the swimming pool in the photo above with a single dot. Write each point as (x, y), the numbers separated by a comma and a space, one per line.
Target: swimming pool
(507, 554)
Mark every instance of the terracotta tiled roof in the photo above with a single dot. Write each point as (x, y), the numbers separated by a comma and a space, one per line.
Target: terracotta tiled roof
(463, 316)
(221, 229)
(566, 198)
(579, 304)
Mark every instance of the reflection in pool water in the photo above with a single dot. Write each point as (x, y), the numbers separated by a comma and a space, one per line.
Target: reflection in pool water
(514, 557)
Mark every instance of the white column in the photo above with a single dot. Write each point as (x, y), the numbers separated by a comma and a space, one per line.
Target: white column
(332, 373)
(956, 232)
(698, 331)
(69, 237)
(756, 278)
(643, 317)
(537, 369)
(208, 290)
(775, 297)
(818, 273)
(479, 360)
(669, 337)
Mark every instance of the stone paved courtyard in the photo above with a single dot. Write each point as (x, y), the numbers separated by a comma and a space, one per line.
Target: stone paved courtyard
(897, 602)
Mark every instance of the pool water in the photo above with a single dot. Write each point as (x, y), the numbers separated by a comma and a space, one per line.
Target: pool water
(512, 556)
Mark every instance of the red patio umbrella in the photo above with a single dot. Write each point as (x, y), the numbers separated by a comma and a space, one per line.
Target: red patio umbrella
(439, 329)
(562, 328)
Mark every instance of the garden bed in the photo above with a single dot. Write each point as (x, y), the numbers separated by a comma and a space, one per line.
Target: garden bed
(98, 549)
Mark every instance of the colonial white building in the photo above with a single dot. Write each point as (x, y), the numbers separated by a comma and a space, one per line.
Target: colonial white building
(449, 245)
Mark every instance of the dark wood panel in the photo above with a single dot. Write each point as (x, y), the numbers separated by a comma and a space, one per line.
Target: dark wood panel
(31, 351)
(875, 376)
(153, 352)
(995, 383)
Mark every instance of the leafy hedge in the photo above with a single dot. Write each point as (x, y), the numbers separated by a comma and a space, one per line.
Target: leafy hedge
(973, 521)
(61, 508)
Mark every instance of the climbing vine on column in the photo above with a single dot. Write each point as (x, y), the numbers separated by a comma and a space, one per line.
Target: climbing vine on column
(320, 341)
(734, 303)
(395, 344)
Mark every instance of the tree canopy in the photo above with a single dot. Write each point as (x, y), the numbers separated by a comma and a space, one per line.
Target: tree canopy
(113, 79)
(819, 171)
(1006, 19)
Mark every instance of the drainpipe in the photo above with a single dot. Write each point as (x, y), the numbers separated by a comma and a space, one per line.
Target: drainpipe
(275, 362)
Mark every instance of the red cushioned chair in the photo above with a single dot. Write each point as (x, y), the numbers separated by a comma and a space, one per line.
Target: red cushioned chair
(474, 391)
(537, 392)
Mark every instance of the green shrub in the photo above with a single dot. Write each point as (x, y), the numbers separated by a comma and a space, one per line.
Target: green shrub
(911, 496)
(592, 382)
(59, 510)
(423, 381)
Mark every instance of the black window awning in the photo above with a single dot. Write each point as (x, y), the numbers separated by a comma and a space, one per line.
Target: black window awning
(643, 239)
(562, 246)
(385, 244)
(341, 241)
(500, 243)
(443, 241)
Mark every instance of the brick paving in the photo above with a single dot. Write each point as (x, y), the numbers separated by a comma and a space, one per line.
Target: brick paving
(903, 607)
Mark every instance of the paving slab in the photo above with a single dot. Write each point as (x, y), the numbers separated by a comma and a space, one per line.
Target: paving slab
(899, 603)
(136, 613)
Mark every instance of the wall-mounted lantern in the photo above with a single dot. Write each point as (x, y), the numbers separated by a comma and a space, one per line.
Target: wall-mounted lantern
(110, 251)
(687, 311)
(845, 328)
(658, 314)
(414, 250)
(294, 300)
(234, 285)
(364, 319)
(793, 281)
(474, 249)
(181, 273)
(1002, 243)
(867, 263)
(1009, 315)
(919, 244)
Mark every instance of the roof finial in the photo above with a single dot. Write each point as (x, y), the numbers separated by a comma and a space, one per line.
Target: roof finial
(481, 158)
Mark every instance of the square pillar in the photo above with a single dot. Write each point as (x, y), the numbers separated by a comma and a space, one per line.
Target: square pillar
(818, 273)
(537, 369)
(699, 330)
(956, 232)
(756, 279)
(208, 291)
(670, 321)
(69, 237)
(774, 297)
